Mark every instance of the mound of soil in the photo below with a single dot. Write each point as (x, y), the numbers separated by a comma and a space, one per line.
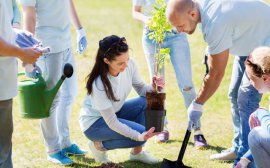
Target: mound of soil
(109, 165)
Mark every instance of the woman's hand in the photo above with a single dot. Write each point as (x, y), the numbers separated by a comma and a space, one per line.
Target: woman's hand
(148, 134)
(254, 121)
(158, 83)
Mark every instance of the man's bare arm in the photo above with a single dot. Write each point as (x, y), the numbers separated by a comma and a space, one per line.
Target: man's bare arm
(217, 65)
(29, 17)
(27, 55)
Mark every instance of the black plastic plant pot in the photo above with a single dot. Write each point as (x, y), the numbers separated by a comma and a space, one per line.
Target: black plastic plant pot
(155, 118)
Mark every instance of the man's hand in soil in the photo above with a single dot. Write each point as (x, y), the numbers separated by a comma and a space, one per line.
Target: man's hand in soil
(194, 114)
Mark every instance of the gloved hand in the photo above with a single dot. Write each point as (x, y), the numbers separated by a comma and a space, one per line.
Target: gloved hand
(194, 113)
(243, 163)
(33, 73)
(81, 40)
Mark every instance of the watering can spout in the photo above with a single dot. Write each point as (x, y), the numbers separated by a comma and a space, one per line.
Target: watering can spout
(50, 94)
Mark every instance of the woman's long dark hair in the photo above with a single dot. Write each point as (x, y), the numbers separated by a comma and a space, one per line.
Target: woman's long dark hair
(109, 47)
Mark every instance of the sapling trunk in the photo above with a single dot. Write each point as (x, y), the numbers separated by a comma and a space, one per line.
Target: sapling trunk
(157, 62)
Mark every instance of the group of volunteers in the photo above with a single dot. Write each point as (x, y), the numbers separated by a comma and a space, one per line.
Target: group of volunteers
(111, 121)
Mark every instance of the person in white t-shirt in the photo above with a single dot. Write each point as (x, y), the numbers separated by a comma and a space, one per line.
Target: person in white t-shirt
(49, 21)
(107, 118)
(8, 80)
(180, 58)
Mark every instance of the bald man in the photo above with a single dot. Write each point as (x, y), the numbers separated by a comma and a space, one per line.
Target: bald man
(229, 27)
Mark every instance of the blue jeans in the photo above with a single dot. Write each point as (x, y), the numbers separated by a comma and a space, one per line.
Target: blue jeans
(236, 79)
(247, 98)
(180, 58)
(132, 114)
(6, 129)
(259, 143)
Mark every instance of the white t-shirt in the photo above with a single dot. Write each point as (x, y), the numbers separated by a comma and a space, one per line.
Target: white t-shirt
(121, 85)
(53, 23)
(238, 25)
(146, 4)
(8, 65)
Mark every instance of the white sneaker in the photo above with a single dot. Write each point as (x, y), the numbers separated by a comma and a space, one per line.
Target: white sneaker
(144, 157)
(99, 156)
(226, 155)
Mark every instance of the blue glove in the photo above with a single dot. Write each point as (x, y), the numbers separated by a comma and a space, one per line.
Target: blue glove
(81, 40)
(33, 73)
(194, 114)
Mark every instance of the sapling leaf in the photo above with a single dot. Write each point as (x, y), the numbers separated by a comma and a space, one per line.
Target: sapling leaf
(159, 27)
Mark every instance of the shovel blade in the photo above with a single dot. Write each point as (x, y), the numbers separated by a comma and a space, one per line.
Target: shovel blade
(172, 164)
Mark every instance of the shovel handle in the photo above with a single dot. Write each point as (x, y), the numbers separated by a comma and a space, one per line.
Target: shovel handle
(183, 147)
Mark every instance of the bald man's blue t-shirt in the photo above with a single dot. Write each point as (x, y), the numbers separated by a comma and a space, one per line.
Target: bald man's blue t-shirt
(237, 25)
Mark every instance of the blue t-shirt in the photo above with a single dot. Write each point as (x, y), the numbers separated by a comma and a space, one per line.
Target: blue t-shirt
(238, 25)
(53, 23)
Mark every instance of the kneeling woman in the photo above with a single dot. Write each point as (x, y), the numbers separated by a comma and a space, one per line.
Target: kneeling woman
(107, 118)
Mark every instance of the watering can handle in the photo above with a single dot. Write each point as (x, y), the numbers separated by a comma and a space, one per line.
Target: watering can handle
(39, 77)
(21, 73)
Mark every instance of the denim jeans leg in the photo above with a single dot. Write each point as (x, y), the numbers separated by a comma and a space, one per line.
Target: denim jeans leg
(132, 114)
(248, 102)
(6, 129)
(134, 110)
(237, 75)
(180, 58)
(259, 143)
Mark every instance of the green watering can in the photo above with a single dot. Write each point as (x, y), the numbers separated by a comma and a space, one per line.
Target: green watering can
(35, 99)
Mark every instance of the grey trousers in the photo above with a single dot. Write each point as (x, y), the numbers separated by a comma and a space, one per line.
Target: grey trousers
(6, 129)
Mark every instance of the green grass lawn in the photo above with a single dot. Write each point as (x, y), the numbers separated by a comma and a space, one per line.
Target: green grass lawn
(105, 17)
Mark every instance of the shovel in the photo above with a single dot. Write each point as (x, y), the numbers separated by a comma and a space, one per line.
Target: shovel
(179, 162)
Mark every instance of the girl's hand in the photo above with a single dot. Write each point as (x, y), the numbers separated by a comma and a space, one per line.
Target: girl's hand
(254, 121)
(243, 163)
